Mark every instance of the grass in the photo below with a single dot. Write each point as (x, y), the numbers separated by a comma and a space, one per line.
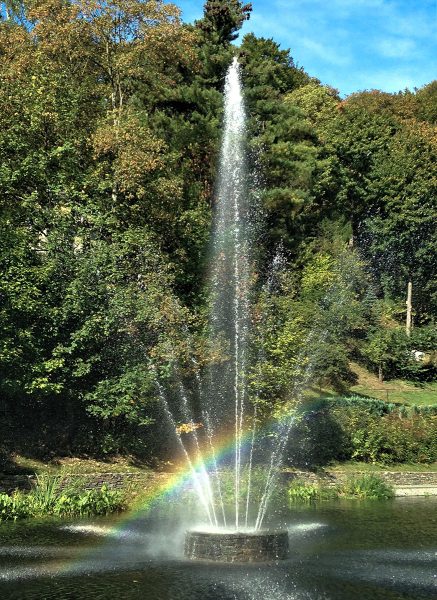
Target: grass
(79, 466)
(396, 390)
(362, 467)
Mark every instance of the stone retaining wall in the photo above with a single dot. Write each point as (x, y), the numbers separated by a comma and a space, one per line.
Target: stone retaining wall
(8, 483)
(89, 481)
(395, 478)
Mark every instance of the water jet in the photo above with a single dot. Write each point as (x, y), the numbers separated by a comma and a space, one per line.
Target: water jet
(223, 408)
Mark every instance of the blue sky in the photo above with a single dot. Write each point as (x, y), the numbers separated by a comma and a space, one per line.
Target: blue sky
(350, 44)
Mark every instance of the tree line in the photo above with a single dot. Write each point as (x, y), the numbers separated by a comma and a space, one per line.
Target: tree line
(109, 137)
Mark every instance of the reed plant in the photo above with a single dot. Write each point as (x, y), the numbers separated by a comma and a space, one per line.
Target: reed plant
(304, 493)
(367, 486)
(46, 491)
(49, 497)
(363, 487)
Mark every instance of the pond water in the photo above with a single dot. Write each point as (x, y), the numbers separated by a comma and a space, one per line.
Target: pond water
(339, 551)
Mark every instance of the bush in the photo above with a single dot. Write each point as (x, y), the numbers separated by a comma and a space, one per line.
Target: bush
(88, 503)
(363, 429)
(391, 350)
(370, 487)
(316, 439)
(303, 493)
(49, 499)
(14, 507)
(430, 409)
(390, 438)
(369, 405)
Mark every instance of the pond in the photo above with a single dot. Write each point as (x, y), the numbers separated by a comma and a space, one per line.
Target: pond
(339, 551)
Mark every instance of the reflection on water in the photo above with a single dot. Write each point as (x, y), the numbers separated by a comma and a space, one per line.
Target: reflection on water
(341, 551)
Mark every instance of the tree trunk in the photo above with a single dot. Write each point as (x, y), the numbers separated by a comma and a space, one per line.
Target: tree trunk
(409, 309)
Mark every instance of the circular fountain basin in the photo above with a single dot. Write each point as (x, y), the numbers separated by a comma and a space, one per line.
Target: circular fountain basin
(237, 546)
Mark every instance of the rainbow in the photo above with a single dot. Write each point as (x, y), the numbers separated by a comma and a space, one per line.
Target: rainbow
(182, 476)
(171, 486)
(160, 490)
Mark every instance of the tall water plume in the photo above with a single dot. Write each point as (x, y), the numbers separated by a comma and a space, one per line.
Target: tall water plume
(216, 410)
(230, 277)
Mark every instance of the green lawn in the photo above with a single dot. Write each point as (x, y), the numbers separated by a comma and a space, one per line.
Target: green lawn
(23, 464)
(356, 467)
(395, 390)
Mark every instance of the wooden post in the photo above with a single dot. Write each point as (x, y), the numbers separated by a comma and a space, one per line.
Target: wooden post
(409, 308)
(380, 374)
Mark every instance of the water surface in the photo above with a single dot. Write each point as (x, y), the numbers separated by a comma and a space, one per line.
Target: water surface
(339, 551)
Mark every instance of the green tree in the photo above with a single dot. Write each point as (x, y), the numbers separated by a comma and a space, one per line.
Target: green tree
(401, 232)
(222, 19)
(86, 183)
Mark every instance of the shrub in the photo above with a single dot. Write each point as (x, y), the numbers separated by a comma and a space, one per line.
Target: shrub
(369, 487)
(317, 439)
(430, 409)
(49, 499)
(369, 405)
(391, 438)
(88, 503)
(363, 429)
(391, 352)
(14, 507)
(304, 493)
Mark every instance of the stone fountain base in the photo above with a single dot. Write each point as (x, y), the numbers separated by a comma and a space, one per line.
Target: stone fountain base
(237, 547)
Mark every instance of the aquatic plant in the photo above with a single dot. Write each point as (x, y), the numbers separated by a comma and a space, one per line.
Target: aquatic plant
(370, 487)
(49, 498)
(300, 492)
(362, 487)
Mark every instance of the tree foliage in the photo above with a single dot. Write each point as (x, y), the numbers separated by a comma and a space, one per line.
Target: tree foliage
(109, 136)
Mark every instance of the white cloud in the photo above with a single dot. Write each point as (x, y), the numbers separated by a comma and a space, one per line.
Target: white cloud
(396, 48)
(335, 56)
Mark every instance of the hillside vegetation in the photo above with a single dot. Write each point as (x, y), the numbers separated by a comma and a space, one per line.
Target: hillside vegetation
(109, 136)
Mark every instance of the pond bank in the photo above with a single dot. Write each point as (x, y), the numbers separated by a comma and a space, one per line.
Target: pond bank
(404, 483)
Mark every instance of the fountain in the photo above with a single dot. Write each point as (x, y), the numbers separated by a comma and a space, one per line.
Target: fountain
(378, 550)
(237, 546)
(232, 534)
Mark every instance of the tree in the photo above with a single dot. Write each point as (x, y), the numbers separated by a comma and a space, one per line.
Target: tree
(284, 147)
(86, 182)
(399, 234)
(222, 19)
(319, 105)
